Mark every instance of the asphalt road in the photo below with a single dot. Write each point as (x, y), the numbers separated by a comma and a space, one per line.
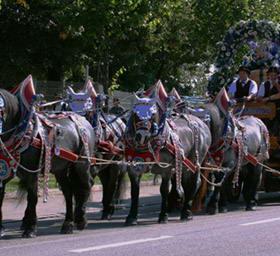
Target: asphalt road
(234, 233)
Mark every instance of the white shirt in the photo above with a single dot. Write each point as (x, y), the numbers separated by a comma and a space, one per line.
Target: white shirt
(252, 90)
(261, 91)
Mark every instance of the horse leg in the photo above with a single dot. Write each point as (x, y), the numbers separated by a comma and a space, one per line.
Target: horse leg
(81, 181)
(108, 178)
(121, 186)
(250, 186)
(174, 199)
(2, 193)
(29, 221)
(164, 189)
(222, 203)
(131, 219)
(190, 184)
(64, 182)
(215, 197)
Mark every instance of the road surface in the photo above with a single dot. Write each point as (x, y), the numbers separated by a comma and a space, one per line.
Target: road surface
(234, 233)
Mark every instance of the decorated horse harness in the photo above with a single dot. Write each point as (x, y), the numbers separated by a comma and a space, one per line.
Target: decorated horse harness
(37, 130)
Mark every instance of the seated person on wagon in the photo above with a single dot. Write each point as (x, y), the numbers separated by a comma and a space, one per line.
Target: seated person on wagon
(243, 88)
(270, 91)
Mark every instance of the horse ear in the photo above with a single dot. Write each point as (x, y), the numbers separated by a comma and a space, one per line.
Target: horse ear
(69, 90)
(136, 97)
(88, 91)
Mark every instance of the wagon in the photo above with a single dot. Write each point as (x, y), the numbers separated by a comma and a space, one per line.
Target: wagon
(267, 112)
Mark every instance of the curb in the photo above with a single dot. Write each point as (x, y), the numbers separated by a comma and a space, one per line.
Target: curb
(96, 188)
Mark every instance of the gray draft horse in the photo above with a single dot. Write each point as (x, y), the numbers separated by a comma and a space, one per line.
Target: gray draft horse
(109, 131)
(253, 141)
(150, 136)
(73, 177)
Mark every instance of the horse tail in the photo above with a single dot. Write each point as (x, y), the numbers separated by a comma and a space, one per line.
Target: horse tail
(22, 190)
(27, 185)
(265, 143)
(122, 185)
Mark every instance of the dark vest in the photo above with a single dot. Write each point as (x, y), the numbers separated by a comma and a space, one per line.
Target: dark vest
(242, 91)
(267, 91)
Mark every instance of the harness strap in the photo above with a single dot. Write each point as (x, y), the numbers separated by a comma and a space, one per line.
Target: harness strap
(108, 146)
(186, 161)
(253, 160)
(60, 152)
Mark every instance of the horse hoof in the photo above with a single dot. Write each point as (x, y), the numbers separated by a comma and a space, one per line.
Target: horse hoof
(29, 234)
(67, 228)
(251, 208)
(2, 232)
(223, 210)
(131, 222)
(186, 217)
(81, 225)
(106, 216)
(211, 211)
(163, 219)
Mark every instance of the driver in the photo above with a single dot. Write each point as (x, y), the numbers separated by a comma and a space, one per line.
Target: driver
(243, 87)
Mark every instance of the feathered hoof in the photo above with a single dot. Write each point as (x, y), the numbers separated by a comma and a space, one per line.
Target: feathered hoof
(186, 216)
(251, 208)
(131, 221)
(106, 216)
(29, 233)
(223, 209)
(163, 219)
(81, 225)
(67, 228)
(211, 210)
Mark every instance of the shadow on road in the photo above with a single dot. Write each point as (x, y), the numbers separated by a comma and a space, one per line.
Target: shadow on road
(149, 208)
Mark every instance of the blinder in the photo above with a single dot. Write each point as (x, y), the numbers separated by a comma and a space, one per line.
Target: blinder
(2, 113)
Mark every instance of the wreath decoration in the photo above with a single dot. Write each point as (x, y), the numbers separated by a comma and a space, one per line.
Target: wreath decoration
(245, 32)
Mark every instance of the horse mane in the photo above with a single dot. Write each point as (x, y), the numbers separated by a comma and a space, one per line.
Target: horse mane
(11, 104)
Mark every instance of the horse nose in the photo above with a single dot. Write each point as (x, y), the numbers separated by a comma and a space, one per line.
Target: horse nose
(141, 136)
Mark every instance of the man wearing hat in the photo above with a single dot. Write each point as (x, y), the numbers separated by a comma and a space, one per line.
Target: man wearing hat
(270, 89)
(243, 87)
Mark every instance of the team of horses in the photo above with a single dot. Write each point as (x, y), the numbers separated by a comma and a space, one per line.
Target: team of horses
(175, 142)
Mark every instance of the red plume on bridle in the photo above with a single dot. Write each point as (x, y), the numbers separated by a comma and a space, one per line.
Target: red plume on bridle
(158, 93)
(89, 88)
(222, 100)
(175, 94)
(25, 91)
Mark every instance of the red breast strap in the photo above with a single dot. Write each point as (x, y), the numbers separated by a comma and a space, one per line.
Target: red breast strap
(61, 152)
(110, 147)
(186, 161)
(249, 157)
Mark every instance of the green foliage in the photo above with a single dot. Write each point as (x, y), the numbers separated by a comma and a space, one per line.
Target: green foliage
(234, 42)
(151, 39)
(115, 78)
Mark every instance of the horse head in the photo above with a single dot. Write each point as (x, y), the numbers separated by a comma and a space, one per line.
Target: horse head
(145, 120)
(9, 110)
(80, 102)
